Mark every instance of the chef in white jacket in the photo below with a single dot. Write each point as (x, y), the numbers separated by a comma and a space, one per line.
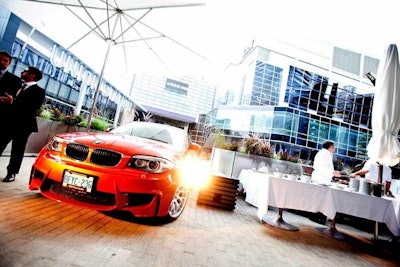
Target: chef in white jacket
(323, 164)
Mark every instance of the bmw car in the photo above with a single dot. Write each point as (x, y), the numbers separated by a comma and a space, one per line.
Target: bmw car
(134, 168)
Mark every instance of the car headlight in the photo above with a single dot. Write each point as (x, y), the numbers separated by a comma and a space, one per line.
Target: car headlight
(55, 144)
(151, 164)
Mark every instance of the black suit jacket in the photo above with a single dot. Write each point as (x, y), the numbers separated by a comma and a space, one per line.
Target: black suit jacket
(25, 107)
(10, 84)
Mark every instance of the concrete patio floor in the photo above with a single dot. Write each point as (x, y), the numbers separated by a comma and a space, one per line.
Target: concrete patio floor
(36, 231)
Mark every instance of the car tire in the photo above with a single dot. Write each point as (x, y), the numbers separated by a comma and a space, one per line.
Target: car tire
(178, 203)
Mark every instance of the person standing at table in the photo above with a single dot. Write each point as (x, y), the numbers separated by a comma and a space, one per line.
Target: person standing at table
(24, 106)
(323, 164)
(371, 171)
(323, 173)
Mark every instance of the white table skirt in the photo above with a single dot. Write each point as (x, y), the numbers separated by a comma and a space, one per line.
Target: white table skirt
(263, 190)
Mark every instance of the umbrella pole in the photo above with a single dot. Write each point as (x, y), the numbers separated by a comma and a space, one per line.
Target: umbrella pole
(96, 94)
(380, 173)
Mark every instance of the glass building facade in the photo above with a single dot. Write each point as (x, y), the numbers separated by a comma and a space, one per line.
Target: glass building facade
(266, 86)
(62, 89)
(69, 83)
(182, 98)
(297, 104)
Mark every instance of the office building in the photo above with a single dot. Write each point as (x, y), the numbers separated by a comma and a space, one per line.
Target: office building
(181, 99)
(297, 98)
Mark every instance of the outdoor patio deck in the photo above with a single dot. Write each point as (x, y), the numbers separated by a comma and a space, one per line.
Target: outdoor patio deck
(36, 231)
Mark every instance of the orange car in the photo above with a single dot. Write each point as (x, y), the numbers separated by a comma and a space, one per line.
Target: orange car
(132, 168)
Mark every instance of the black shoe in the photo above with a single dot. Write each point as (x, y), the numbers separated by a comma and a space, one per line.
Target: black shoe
(9, 178)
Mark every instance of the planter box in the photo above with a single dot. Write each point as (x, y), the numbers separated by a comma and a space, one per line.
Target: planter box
(47, 130)
(222, 162)
(230, 163)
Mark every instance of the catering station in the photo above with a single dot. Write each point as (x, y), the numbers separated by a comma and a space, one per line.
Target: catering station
(283, 191)
(268, 182)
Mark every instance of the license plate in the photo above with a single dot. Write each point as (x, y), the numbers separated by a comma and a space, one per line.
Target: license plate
(77, 181)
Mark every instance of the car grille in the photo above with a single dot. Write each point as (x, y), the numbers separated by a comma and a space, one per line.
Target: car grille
(99, 156)
(105, 157)
(94, 197)
(77, 151)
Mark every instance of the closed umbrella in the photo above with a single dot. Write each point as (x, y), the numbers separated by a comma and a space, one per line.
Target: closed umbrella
(112, 23)
(384, 145)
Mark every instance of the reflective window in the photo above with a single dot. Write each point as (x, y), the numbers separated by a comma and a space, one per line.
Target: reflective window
(73, 97)
(323, 132)
(352, 143)
(279, 123)
(53, 87)
(333, 133)
(343, 138)
(266, 85)
(313, 130)
(63, 94)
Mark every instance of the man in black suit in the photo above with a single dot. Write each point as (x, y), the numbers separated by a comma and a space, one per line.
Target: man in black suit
(24, 107)
(9, 83)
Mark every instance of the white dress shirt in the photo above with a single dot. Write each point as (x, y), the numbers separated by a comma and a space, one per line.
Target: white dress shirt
(323, 167)
(372, 167)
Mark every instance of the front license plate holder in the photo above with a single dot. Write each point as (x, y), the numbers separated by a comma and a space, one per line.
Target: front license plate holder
(78, 181)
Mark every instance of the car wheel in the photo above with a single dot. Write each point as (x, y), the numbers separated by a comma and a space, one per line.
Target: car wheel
(178, 203)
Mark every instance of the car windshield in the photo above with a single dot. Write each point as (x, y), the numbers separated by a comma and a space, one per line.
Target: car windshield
(158, 132)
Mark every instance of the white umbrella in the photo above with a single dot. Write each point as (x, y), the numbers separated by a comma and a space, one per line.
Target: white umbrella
(384, 145)
(117, 23)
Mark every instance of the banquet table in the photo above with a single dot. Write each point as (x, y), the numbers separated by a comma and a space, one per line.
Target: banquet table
(264, 189)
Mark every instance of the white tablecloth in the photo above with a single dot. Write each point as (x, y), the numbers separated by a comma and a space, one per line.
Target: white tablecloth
(263, 190)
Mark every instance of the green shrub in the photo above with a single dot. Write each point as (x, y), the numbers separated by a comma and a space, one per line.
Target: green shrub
(233, 146)
(99, 124)
(284, 155)
(338, 164)
(83, 124)
(220, 140)
(50, 113)
(45, 113)
(72, 120)
(257, 146)
(57, 115)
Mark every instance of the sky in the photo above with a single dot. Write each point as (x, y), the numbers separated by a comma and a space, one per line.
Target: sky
(220, 31)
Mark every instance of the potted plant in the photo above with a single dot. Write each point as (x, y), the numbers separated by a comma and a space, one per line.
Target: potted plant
(229, 159)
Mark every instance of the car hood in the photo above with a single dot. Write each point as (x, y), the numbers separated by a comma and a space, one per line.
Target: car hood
(125, 144)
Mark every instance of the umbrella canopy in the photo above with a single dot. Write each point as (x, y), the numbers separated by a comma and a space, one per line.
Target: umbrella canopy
(102, 25)
(384, 145)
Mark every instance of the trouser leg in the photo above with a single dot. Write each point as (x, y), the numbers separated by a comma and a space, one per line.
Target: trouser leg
(5, 138)
(17, 152)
